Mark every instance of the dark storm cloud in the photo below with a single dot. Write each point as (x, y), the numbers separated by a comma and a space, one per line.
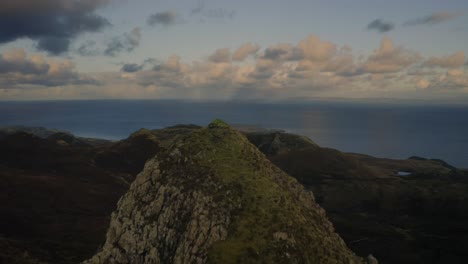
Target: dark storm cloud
(380, 26)
(432, 19)
(54, 45)
(52, 23)
(167, 18)
(128, 42)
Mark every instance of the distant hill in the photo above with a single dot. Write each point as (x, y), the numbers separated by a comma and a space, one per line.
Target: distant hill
(52, 134)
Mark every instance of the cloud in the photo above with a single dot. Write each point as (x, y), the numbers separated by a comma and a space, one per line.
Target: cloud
(212, 13)
(380, 25)
(172, 64)
(15, 61)
(128, 42)
(88, 49)
(171, 73)
(279, 52)
(423, 83)
(220, 56)
(342, 63)
(17, 69)
(54, 45)
(167, 18)
(433, 19)
(53, 24)
(132, 67)
(314, 49)
(310, 68)
(452, 61)
(388, 58)
(273, 72)
(452, 80)
(244, 51)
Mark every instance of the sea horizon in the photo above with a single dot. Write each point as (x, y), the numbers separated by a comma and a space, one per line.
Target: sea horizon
(386, 130)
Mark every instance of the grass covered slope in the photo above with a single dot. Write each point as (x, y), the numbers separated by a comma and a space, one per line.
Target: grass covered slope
(213, 197)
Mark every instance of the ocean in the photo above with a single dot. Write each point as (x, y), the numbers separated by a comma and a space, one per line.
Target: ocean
(381, 130)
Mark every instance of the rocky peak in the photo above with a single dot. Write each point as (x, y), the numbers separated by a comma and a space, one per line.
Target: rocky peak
(218, 123)
(212, 197)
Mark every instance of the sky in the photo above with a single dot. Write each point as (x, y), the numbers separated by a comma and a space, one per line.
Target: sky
(234, 50)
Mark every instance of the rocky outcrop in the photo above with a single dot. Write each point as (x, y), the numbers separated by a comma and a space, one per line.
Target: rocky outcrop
(212, 197)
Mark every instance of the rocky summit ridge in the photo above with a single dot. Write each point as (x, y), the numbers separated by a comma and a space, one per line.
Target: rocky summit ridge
(213, 197)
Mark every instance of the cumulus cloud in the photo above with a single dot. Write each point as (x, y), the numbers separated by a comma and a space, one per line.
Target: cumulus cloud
(279, 52)
(310, 68)
(128, 42)
(388, 58)
(53, 24)
(314, 49)
(172, 64)
(172, 73)
(452, 80)
(16, 69)
(16, 61)
(220, 56)
(221, 76)
(342, 63)
(452, 61)
(380, 25)
(423, 83)
(166, 18)
(244, 51)
(434, 18)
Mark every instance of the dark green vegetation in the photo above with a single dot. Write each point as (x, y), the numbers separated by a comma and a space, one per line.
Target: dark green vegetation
(58, 192)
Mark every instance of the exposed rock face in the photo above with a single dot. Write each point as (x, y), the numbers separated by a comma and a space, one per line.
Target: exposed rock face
(212, 197)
